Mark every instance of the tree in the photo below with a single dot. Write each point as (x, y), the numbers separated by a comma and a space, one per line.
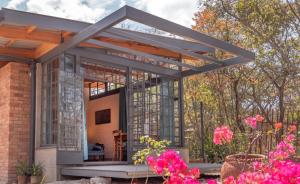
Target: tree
(271, 30)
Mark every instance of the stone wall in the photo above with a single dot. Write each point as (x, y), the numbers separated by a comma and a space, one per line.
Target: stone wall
(15, 98)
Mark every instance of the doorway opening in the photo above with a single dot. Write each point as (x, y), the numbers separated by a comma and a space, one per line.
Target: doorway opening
(105, 112)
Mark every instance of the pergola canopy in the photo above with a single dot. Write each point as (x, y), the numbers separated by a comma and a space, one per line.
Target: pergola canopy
(29, 37)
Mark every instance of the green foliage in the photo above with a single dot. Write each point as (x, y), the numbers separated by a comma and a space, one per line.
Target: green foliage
(36, 170)
(22, 168)
(271, 30)
(153, 147)
(215, 153)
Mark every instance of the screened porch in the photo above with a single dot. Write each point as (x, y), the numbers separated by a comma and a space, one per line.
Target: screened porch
(74, 91)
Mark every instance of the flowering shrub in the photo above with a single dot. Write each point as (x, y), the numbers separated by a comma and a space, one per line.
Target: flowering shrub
(284, 149)
(252, 121)
(153, 147)
(292, 128)
(173, 168)
(279, 169)
(281, 172)
(222, 135)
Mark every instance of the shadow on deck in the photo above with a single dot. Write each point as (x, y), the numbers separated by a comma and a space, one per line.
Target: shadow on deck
(128, 171)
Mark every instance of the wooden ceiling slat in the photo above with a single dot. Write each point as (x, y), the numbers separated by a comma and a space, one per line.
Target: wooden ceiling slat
(21, 32)
(27, 53)
(54, 37)
(9, 43)
(43, 49)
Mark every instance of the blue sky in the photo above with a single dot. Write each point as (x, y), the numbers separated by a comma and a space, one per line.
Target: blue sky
(179, 11)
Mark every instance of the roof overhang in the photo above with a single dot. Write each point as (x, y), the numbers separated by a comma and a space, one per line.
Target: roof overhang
(70, 34)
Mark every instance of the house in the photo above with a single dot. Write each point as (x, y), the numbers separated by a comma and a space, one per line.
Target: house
(66, 84)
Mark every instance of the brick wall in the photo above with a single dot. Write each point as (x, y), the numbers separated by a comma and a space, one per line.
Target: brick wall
(15, 101)
(4, 121)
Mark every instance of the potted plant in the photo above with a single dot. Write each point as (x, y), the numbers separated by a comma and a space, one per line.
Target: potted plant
(236, 164)
(36, 171)
(22, 170)
(244, 162)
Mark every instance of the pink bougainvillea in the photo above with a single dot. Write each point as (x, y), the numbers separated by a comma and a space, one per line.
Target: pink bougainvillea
(173, 168)
(279, 172)
(229, 180)
(222, 135)
(251, 121)
(292, 128)
(278, 169)
(259, 118)
(284, 149)
(211, 181)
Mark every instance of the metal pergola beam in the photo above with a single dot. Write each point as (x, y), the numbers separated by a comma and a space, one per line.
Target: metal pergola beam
(139, 53)
(168, 26)
(143, 39)
(185, 44)
(139, 16)
(87, 33)
(9, 16)
(211, 67)
(123, 62)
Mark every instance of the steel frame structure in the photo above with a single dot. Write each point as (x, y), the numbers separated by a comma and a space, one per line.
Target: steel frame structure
(104, 27)
(174, 68)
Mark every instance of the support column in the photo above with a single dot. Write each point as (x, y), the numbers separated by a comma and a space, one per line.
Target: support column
(181, 107)
(32, 113)
(129, 112)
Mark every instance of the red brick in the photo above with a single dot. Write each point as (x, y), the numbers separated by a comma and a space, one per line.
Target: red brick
(14, 118)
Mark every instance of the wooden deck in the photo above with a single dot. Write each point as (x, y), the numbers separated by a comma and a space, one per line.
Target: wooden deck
(128, 171)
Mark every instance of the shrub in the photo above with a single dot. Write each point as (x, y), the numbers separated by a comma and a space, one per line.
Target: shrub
(22, 168)
(36, 170)
(152, 147)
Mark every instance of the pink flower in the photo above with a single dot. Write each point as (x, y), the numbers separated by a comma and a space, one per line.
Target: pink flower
(278, 125)
(195, 172)
(258, 166)
(210, 181)
(284, 149)
(251, 121)
(278, 170)
(259, 118)
(222, 135)
(229, 180)
(170, 164)
(292, 128)
(290, 138)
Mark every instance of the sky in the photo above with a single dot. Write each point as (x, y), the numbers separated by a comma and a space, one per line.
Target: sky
(179, 11)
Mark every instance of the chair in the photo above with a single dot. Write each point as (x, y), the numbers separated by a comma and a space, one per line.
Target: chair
(96, 150)
(120, 139)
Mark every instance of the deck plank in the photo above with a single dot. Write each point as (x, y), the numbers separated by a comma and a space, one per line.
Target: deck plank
(127, 171)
